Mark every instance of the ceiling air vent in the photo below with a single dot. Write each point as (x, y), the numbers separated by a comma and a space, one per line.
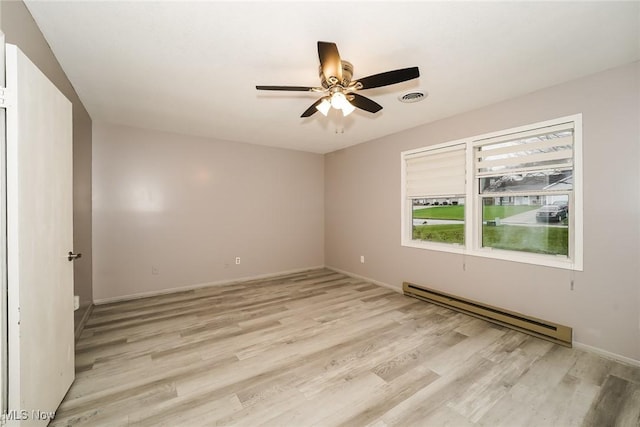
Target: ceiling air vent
(412, 97)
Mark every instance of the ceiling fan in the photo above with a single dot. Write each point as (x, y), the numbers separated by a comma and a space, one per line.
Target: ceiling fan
(338, 88)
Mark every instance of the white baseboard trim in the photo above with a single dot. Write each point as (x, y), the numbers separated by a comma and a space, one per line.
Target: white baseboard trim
(367, 279)
(580, 346)
(139, 295)
(80, 326)
(606, 354)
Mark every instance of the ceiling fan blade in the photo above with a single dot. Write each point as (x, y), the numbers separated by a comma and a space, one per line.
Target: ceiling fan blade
(330, 62)
(389, 78)
(311, 110)
(289, 88)
(365, 103)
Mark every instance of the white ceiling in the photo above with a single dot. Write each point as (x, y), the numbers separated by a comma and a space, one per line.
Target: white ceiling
(192, 67)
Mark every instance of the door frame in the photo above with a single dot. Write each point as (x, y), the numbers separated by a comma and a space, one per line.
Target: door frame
(4, 387)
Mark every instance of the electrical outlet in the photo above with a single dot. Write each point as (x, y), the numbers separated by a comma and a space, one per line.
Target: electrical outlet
(237, 260)
(362, 259)
(155, 270)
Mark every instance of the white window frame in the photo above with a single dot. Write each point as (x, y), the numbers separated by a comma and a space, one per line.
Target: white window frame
(473, 207)
(407, 207)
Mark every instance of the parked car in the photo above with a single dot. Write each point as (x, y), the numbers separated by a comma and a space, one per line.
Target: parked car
(553, 213)
(562, 205)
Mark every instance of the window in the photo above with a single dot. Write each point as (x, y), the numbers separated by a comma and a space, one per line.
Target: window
(513, 195)
(435, 188)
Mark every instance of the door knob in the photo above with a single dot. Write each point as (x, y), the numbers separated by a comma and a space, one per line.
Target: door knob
(73, 256)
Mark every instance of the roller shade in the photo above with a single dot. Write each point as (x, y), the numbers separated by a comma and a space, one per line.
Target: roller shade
(548, 148)
(436, 173)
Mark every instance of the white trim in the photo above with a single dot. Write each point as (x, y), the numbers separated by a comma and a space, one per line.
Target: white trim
(405, 232)
(480, 139)
(139, 295)
(559, 261)
(6, 98)
(4, 339)
(606, 354)
(548, 167)
(83, 322)
(526, 193)
(471, 232)
(576, 217)
(434, 147)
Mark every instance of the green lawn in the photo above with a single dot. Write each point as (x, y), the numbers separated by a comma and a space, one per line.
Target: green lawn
(440, 212)
(540, 240)
(443, 233)
(543, 240)
(492, 212)
(457, 212)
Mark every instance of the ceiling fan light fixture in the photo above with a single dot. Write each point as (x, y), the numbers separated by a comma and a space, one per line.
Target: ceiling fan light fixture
(339, 88)
(324, 107)
(347, 109)
(338, 100)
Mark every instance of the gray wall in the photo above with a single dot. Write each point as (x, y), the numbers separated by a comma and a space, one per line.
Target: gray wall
(21, 30)
(272, 216)
(362, 214)
(188, 206)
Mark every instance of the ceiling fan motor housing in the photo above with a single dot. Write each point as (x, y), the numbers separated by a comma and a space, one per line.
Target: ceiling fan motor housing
(347, 74)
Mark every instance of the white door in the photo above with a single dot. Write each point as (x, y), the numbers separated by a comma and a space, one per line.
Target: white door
(39, 239)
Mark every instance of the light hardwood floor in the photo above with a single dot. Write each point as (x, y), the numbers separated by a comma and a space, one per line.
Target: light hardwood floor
(321, 348)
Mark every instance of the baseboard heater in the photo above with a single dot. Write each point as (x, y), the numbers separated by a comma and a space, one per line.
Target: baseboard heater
(558, 334)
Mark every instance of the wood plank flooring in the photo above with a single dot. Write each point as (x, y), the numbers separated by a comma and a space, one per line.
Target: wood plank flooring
(322, 349)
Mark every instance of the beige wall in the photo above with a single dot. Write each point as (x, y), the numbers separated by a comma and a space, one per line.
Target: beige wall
(189, 206)
(20, 29)
(362, 214)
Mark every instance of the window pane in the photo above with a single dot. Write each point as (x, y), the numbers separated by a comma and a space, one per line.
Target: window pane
(438, 220)
(548, 180)
(547, 151)
(534, 223)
